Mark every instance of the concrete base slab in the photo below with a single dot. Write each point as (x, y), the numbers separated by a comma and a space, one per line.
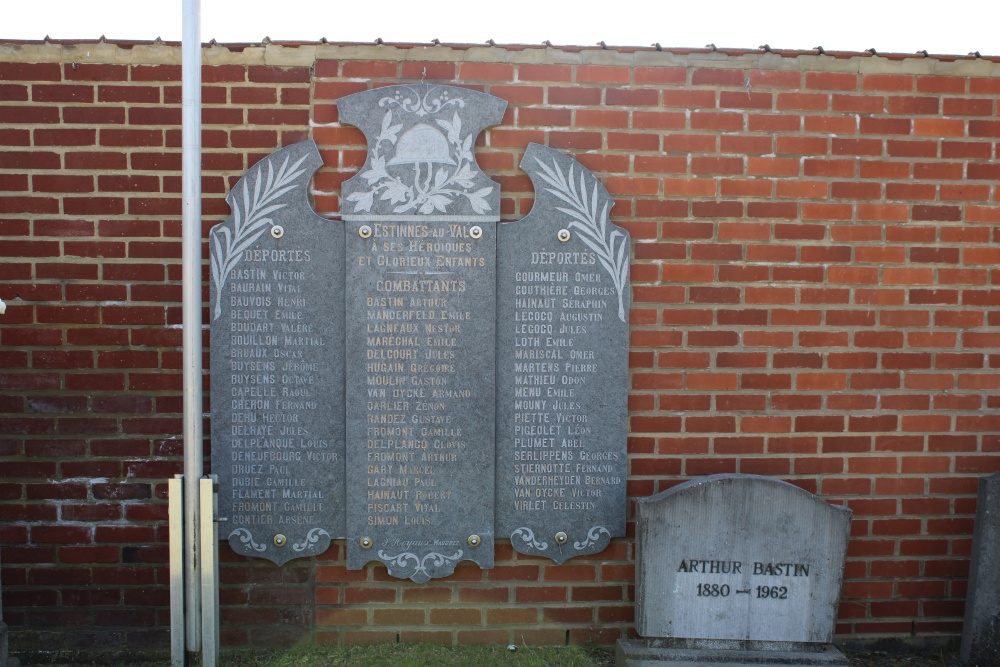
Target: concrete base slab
(647, 653)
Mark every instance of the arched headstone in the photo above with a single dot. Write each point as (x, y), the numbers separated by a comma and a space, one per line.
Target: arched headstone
(738, 563)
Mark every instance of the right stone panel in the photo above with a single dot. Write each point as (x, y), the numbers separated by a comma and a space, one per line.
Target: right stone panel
(562, 365)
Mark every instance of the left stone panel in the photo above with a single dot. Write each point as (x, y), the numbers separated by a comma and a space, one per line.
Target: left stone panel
(277, 357)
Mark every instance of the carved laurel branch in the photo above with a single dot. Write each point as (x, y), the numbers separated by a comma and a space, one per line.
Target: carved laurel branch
(420, 573)
(527, 536)
(611, 248)
(593, 536)
(421, 106)
(246, 537)
(250, 222)
(311, 538)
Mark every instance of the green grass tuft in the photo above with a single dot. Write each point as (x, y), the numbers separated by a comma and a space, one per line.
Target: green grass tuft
(423, 655)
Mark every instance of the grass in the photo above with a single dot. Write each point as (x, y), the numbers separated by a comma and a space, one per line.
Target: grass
(421, 655)
(887, 659)
(434, 655)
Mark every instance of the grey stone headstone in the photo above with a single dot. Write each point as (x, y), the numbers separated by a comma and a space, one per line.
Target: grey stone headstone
(277, 343)
(981, 631)
(742, 559)
(562, 365)
(421, 296)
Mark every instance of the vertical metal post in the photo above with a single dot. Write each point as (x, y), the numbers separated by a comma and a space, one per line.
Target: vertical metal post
(209, 571)
(191, 272)
(175, 493)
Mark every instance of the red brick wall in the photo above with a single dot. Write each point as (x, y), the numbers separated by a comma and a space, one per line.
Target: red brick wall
(814, 284)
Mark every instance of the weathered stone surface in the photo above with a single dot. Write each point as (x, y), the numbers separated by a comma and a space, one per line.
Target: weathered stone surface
(421, 303)
(562, 365)
(981, 631)
(277, 339)
(738, 559)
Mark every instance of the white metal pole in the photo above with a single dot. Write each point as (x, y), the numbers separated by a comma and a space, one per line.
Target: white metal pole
(209, 571)
(191, 272)
(176, 512)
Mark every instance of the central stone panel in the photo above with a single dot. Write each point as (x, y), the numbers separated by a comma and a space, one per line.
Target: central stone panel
(420, 344)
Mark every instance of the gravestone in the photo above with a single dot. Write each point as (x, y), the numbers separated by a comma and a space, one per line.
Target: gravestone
(421, 224)
(277, 337)
(562, 365)
(737, 569)
(981, 630)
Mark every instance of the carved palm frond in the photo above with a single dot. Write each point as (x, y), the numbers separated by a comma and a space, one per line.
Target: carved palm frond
(611, 249)
(250, 221)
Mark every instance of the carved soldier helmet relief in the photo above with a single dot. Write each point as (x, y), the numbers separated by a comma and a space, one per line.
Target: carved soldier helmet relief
(422, 143)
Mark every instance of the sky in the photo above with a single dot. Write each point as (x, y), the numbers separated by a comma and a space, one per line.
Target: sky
(903, 26)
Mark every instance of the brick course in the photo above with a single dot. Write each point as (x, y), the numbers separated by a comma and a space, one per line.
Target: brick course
(813, 299)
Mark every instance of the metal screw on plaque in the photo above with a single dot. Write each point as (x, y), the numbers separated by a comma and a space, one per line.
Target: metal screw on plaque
(366, 542)
(561, 537)
(564, 235)
(280, 540)
(277, 231)
(474, 540)
(365, 231)
(476, 232)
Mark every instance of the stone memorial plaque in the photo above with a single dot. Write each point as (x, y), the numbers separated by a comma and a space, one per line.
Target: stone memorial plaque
(739, 557)
(981, 630)
(421, 272)
(562, 365)
(277, 339)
